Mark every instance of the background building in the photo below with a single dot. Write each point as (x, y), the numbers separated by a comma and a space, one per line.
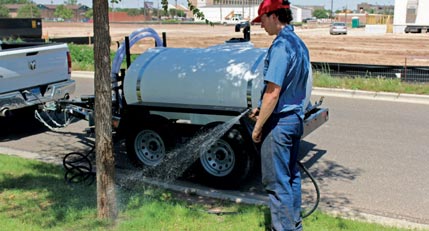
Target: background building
(374, 8)
(219, 10)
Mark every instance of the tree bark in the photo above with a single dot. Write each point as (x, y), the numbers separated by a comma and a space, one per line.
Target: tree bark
(105, 161)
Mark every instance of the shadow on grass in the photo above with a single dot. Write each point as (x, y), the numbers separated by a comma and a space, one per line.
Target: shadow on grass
(38, 196)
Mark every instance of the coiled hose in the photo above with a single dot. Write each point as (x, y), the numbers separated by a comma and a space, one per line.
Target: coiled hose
(78, 167)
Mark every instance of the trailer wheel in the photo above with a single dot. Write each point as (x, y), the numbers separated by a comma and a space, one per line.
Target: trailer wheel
(226, 163)
(219, 159)
(147, 146)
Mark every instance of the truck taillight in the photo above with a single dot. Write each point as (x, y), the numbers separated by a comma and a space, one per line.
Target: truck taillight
(69, 62)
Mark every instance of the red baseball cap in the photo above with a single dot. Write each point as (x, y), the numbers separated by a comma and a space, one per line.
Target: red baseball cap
(267, 6)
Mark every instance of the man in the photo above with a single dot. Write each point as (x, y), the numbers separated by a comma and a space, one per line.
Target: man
(279, 119)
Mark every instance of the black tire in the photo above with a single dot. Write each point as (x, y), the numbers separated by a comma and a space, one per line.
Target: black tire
(227, 163)
(148, 144)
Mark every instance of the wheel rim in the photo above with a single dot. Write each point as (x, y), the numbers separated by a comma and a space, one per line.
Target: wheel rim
(219, 159)
(149, 147)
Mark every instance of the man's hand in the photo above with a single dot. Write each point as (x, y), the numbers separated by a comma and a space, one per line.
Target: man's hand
(254, 114)
(257, 134)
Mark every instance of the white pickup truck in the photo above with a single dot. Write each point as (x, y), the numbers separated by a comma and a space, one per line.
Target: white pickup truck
(233, 21)
(32, 74)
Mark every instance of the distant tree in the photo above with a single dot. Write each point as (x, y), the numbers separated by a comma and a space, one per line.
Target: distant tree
(4, 12)
(14, 1)
(63, 12)
(181, 13)
(29, 11)
(70, 2)
(321, 13)
(176, 12)
(133, 12)
(388, 12)
(89, 13)
(164, 4)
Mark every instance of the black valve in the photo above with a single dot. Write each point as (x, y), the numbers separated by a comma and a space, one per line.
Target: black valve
(246, 32)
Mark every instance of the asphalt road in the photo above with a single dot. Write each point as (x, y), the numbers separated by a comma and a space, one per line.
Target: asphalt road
(372, 157)
(369, 159)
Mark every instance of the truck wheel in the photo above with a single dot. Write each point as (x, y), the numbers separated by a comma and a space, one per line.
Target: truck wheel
(226, 163)
(148, 145)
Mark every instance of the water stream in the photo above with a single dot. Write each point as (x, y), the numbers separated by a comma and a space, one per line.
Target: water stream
(177, 161)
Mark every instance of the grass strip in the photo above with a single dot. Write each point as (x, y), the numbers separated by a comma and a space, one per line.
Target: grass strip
(34, 196)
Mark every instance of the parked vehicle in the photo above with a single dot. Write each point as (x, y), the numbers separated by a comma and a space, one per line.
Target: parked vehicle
(413, 15)
(338, 28)
(32, 74)
(233, 21)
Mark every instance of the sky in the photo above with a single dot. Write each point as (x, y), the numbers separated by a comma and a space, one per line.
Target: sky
(336, 4)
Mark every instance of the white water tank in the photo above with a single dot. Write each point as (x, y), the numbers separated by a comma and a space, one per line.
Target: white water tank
(226, 75)
(229, 75)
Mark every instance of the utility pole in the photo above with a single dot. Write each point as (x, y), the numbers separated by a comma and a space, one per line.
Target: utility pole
(332, 12)
(345, 18)
(220, 9)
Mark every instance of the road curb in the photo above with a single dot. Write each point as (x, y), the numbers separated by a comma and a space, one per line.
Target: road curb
(384, 96)
(83, 74)
(184, 187)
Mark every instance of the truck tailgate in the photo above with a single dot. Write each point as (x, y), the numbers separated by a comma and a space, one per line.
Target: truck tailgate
(22, 68)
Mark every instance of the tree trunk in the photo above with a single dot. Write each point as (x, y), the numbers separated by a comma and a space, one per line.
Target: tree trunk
(105, 161)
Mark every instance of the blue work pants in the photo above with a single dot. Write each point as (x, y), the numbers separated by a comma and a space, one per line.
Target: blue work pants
(280, 172)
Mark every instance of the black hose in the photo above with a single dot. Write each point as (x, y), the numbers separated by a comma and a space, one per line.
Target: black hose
(248, 124)
(78, 168)
(316, 187)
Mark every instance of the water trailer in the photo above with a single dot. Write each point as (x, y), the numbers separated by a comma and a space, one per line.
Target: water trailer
(168, 95)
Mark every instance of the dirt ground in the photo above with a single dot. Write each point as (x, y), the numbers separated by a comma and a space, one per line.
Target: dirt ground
(357, 46)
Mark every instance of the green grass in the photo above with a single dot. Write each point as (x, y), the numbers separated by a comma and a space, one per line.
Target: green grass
(369, 84)
(33, 196)
(83, 57)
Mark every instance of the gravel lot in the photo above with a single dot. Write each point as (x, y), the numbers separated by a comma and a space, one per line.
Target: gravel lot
(357, 46)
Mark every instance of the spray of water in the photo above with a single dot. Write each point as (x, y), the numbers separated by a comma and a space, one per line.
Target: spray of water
(180, 159)
(176, 162)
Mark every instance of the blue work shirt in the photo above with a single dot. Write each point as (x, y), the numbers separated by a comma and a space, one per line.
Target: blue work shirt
(287, 64)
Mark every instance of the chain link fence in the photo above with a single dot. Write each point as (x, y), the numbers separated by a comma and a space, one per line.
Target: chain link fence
(405, 73)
